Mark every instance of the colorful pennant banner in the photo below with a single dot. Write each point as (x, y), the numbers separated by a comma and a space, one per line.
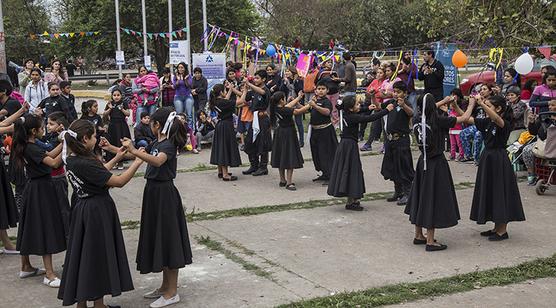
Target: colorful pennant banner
(155, 35)
(45, 34)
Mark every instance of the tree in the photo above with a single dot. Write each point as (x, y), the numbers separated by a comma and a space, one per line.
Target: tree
(22, 17)
(85, 15)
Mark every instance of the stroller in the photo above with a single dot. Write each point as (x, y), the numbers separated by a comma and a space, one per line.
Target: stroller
(547, 164)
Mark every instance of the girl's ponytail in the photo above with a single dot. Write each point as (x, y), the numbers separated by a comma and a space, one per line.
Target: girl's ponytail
(22, 131)
(274, 101)
(214, 94)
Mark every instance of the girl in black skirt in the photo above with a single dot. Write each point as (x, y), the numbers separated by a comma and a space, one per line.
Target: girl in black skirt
(432, 200)
(96, 261)
(116, 111)
(496, 197)
(225, 152)
(286, 153)
(346, 178)
(89, 110)
(41, 227)
(8, 210)
(163, 239)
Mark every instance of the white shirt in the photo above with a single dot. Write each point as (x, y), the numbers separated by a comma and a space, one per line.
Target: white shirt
(35, 93)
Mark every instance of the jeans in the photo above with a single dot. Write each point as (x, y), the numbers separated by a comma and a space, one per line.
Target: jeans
(299, 123)
(184, 104)
(140, 109)
(471, 135)
(200, 138)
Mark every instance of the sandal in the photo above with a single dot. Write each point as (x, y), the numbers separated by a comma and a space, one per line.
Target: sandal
(36, 272)
(282, 184)
(220, 175)
(54, 283)
(291, 187)
(230, 179)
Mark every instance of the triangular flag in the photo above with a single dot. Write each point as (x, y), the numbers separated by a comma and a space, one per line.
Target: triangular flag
(126, 30)
(174, 34)
(72, 34)
(51, 35)
(45, 33)
(133, 32)
(82, 33)
(140, 34)
(545, 51)
(161, 34)
(89, 33)
(33, 36)
(168, 35)
(96, 32)
(150, 35)
(56, 35)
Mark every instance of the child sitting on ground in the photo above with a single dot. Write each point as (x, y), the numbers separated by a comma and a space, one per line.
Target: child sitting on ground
(142, 132)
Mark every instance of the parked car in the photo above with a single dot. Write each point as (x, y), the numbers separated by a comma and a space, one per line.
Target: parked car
(487, 76)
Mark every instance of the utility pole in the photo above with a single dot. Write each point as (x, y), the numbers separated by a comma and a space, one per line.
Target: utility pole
(205, 41)
(145, 52)
(118, 38)
(188, 34)
(3, 64)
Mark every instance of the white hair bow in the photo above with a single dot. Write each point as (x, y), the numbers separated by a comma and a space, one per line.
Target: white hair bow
(169, 122)
(65, 146)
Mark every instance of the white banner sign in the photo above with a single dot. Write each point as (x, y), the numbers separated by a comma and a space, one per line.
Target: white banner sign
(178, 52)
(120, 59)
(148, 64)
(212, 64)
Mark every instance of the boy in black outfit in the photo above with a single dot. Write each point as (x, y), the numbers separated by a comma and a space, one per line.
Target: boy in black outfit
(397, 164)
(259, 141)
(65, 88)
(142, 132)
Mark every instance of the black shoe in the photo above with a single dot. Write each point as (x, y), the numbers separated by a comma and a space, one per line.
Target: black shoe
(403, 200)
(320, 178)
(417, 241)
(435, 247)
(354, 207)
(260, 171)
(496, 237)
(250, 170)
(282, 184)
(230, 179)
(488, 233)
(220, 175)
(325, 183)
(291, 187)
(395, 197)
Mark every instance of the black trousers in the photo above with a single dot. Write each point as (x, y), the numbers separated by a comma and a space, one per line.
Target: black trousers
(258, 160)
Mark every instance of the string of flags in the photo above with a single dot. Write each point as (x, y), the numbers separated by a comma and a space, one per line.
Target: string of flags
(151, 35)
(45, 34)
(155, 35)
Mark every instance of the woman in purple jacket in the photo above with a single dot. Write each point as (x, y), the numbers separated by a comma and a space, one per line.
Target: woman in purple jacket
(183, 101)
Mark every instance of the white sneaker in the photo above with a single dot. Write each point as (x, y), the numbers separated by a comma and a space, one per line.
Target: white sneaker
(54, 283)
(10, 252)
(162, 302)
(153, 294)
(36, 272)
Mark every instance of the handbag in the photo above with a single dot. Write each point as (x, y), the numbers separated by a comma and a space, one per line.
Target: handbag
(538, 148)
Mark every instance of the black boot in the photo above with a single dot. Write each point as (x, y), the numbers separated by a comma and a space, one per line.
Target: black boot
(261, 171)
(405, 194)
(397, 193)
(251, 169)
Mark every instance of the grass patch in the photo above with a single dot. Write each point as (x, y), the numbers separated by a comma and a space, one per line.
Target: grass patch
(399, 293)
(130, 224)
(13, 239)
(217, 246)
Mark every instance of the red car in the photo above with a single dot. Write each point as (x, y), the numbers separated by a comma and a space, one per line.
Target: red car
(487, 76)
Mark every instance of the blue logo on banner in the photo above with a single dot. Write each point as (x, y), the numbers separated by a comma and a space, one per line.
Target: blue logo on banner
(209, 59)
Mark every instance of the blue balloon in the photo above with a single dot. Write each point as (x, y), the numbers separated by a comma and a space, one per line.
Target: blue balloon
(270, 50)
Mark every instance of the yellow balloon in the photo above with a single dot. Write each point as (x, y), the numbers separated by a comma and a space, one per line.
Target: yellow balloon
(459, 59)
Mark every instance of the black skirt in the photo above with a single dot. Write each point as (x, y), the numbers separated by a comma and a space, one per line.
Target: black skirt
(8, 209)
(117, 129)
(286, 153)
(432, 201)
(61, 191)
(323, 147)
(163, 238)
(496, 197)
(96, 261)
(263, 143)
(225, 150)
(346, 179)
(41, 227)
(397, 164)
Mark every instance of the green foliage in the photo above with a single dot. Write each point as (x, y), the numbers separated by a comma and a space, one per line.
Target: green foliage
(22, 17)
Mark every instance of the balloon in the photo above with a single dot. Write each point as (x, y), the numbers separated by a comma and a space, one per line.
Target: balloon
(270, 50)
(524, 64)
(459, 59)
